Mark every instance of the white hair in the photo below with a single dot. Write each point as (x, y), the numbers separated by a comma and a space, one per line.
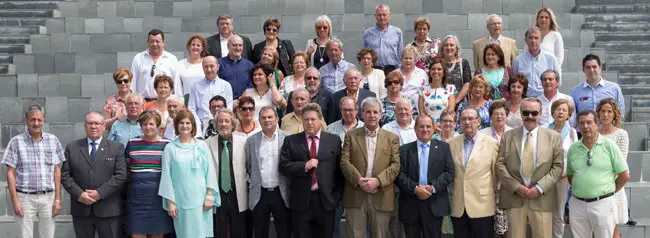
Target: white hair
(175, 98)
(370, 101)
(382, 5)
(487, 21)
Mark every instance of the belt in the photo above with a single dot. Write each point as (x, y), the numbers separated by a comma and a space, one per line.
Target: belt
(595, 199)
(270, 189)
(37, 192)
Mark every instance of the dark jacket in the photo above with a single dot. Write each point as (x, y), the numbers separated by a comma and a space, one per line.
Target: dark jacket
(214, 46)
(285, 50)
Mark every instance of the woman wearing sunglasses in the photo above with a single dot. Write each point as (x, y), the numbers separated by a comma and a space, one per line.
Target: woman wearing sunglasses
(246, 115)
(283, 47)
(114, 107)
(317, 48)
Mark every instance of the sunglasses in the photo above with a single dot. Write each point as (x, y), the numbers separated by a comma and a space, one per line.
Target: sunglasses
(389, 83)
(271, 29)
(322, 27)
(527, 113)
(250, 109)
(153, 68)
(590, 160)
(121, 81)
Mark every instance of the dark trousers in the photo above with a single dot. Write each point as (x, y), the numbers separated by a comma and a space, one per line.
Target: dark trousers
(228, 219)
(105, 227)
(316, 222)
(426, 225)
(466, 227)
(271, 202)
(338, 212)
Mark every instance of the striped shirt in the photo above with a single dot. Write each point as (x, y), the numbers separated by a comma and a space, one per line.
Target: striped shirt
(34, 161)
(145, 156)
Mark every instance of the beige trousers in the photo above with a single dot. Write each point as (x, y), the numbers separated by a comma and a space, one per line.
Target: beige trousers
(36, 206)
(541, 223)
(595, 218)
(364, 217)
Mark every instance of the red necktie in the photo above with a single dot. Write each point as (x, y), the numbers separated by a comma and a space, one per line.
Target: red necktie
(313, 154)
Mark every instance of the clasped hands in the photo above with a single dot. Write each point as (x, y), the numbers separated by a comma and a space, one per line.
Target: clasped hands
(369, 185)
(89, 197)
(423, 192)
(526, 192)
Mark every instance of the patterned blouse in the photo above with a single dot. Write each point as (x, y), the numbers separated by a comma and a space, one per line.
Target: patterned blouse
(288, 85)
(388, 110)
(484, 112)
(429, 51)
(436, 100)
(115, 104)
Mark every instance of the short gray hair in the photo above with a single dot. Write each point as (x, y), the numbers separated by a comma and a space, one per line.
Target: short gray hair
(94, 113)
(370, 101)
(530, 99)
(175, 98)
(478, 114)
(224, 17)
(233, 118)
(311, 107)
(132, 95)
(313, 69)
(268, 108)
(458, 47)
(531, 30)
(555, 73)
(489, 17)
(34, 108)
(382, 5)
(335, 40)
(299, 90)
(348, 98)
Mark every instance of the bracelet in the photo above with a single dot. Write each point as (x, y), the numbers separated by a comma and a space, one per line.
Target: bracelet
(57, 201)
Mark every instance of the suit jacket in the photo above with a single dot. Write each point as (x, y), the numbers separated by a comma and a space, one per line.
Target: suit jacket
(548, 169)
(285, 50)
(337, 96)
(238, 161)
(324, 99)
(253, 170)
(440, 175)
(508, 46)
(293, 157)
(106, 174)
(214, 46)
(474, 184)
(354, 163)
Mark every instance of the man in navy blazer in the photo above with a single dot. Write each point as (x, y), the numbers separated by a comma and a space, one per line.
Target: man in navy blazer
(352, 80)
(217, 43)
(426, 170)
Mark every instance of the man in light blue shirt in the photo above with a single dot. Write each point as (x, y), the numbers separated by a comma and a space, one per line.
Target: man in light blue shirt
(586, 95)
(534, 62)
(202, 91)
(332, 73)
(385, 39)
(123, 131)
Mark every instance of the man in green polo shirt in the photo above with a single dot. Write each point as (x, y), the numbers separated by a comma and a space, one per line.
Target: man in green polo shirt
(593, 164)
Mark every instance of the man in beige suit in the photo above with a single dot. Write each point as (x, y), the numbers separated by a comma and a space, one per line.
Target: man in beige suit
(529, 164)
(472, 194)
(508, 45)
(370, 163)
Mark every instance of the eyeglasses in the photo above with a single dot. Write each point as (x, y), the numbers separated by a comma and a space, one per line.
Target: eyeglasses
(446, 122)
(271, 29)
(527, 113)
(590, 160)
(389, 83)
(322, 27)
(250, 109)
(94, 123)
(121, 81)
(153, 67)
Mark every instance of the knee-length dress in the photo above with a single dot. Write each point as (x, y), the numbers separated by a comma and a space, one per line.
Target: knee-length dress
(187, 172)
(621, 214)
(145, 214)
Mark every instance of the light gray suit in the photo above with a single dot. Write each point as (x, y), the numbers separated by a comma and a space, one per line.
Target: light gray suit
(106, 173)
(253, 170)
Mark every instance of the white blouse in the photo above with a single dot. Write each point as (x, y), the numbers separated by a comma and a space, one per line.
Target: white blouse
(412, 86)
(189, 74)
(375, 81)
(260, 101)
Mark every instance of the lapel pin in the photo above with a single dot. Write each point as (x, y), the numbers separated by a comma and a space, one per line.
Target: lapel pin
(102, 149)
(435, 147)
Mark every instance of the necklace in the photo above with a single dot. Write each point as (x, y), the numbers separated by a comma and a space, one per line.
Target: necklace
(320, 51)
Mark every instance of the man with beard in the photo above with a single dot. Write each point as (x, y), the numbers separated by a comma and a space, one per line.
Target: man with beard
(292, 122)
(152, 62)
(33, 161)
(230, 162)
(123, 131)
(529, 164)
(317, 95)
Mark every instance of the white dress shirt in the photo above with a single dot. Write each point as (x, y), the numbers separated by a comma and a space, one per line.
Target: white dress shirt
(269, 159)
(90, 148)
(224, 46)
(521, 155)
(406, 135)
(546, 117)
(142, 66)
(203, 91)
(371, 145)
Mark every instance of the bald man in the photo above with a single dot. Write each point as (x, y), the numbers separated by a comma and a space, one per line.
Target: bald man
(207, 88)
(234, 68)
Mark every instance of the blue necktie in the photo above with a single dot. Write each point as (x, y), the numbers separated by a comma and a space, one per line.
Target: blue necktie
(424, 163)
(93, 150)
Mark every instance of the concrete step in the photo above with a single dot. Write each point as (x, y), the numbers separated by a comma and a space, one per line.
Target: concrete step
(641, 114)
(630, 68)
(22, 31)
(622, 36)
(635, 89)
(613, 58)
(23, 22)
(6, 58)
(599, 2)
(638, 47)
(36, 5)
(14, 40)
(613, 8)
(616, 18)
(29, 13)
(16, 49)
(7, 69)
(638, 78)
(617, 27)
(641, 101)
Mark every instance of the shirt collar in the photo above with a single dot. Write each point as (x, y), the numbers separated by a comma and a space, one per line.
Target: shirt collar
(96, 141)
(473, 140)
(164, 53)
(420, 143)
(498, 39)
(376, 131)
(317, 134)
(601, 83)
(534, 131)
(275, 133)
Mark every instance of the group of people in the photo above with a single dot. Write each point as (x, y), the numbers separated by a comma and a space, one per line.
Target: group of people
(412, 143)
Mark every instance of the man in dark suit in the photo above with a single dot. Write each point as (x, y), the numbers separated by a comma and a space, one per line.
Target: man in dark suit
(352, 80)
(94, 173)
(217, 43)
(317, 94)
(312, 160)
(426, 169)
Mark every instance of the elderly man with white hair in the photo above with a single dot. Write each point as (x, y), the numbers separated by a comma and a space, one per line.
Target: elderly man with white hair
(404, 124)
(352, 80)
(508, 45)
(175, 105)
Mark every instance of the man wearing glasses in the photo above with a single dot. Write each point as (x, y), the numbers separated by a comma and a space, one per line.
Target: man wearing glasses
(596, 171)
(530, 162)
(152, 62)
(123, 131)
(317, 95)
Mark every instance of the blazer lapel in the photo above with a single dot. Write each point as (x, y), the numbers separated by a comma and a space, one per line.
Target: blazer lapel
(541, 137)
(517, 141)
(458, 150)
(478, 144)
(102, 148)
(361, 142)
(84, 150)
(302, 141)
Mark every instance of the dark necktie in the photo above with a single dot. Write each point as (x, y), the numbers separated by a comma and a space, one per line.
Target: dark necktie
(93, 150)
(312, 155)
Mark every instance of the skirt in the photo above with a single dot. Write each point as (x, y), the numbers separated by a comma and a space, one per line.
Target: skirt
(621, 214)
(193, 222)
(145, 214)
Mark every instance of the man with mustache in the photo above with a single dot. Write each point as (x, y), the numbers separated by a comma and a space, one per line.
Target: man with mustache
(529, 164)
(230, 162)
(317, 95)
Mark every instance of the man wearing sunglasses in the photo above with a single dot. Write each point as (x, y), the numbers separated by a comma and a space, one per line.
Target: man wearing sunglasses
(530, 162)
(596, 171)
